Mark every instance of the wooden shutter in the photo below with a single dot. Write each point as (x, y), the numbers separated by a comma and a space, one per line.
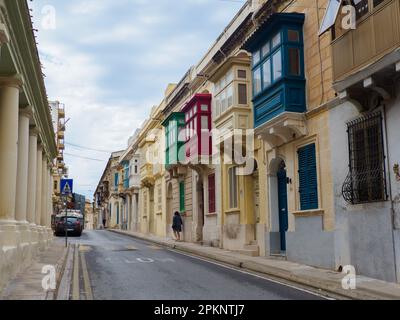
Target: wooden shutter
(182, 196)
(211, 193)
(308, 178)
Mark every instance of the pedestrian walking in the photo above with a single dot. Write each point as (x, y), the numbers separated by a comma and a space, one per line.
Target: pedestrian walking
(177, 224)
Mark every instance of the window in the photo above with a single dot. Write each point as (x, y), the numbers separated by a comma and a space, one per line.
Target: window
(277, 65)
(256, 57)
(55, 185)
(182, 196)
(294, 61)
(293, 36)
(159, 198)
(257, 81)
(265, 49)
(211, 193)
(116, 180)
(308, 186)
(242, 93)
(229, 93)
(276, 40)
(377, 2)
(204, 122)
(361, 7)
(266, 73)
(366, 180)
(145, 204)
(233, 188)
(242, 74)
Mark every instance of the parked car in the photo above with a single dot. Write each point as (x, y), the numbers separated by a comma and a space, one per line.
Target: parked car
(73, 223)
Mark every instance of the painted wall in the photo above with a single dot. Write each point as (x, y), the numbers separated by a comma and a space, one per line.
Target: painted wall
(364, 236)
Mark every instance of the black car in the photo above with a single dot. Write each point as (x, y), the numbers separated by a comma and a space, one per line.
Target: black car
(74, 226)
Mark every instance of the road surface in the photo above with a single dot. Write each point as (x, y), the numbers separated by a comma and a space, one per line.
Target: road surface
(117, 267)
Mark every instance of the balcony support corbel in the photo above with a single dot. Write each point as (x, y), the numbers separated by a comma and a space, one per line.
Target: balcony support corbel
(370, 83)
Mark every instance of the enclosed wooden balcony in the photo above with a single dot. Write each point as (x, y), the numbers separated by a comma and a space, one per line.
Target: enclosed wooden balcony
(377, 34)
(146, 174)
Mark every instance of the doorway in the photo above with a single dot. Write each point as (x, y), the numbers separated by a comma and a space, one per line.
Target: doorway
(200, 218)
(256, 198)
(152, 226)
(282, 205)
(170, 199)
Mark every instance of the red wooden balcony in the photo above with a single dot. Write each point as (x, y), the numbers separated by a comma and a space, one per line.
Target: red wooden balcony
(198, 126)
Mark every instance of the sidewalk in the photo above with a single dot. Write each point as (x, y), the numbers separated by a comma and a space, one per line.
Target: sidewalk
(28, 283)
(326, 280)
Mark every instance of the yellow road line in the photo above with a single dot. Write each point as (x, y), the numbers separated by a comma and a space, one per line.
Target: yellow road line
(86, 279)
(75, 281)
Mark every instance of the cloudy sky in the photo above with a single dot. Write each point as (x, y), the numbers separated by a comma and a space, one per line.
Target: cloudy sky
(110, 61)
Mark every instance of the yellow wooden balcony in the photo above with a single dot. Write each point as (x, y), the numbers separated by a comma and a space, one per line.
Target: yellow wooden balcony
(377, 33)
(146, 174)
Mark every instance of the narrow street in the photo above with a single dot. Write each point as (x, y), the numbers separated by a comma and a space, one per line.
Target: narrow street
(123, 268)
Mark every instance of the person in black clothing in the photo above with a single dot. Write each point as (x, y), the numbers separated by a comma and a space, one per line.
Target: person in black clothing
(177, 224)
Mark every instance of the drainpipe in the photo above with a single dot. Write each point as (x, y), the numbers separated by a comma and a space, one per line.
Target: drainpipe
(390, 193)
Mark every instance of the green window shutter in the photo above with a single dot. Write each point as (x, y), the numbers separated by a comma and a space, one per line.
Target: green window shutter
(182, 196)
(308, 178)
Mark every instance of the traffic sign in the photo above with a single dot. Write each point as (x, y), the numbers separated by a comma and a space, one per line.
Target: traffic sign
(67, 186)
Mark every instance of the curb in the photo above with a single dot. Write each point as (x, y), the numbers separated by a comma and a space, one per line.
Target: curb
(60, 268)
(332, 286)
(63, 275)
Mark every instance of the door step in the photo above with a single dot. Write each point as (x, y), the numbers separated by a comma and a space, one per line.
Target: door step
(278, 256)
(251, 253)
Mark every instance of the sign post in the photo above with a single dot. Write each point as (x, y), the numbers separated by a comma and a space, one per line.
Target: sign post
(66, 190)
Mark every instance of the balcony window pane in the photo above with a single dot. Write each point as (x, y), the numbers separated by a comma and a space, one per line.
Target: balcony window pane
(293, 36)
(265, 49)
(204, 107)
(242, 74)
(195, 109)
(229, 77)
(267, 73)
(218, 106)
(277, 65)
(242, 92)
(256, 57)
(230, 95)
(377, 2)
(181, 134)
(257, 81)
(204, 122)
(276, 40)
(361, 7)
(294, 61)
(233, 192)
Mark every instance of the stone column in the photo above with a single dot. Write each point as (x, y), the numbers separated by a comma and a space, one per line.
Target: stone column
(21, 203)
(32, 185)
(49, 200)
(9, 100)
(38, 211)
(43, 219)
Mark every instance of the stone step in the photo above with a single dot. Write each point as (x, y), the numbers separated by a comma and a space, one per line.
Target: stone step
(278, 256)
(251, 253)
(254, 247)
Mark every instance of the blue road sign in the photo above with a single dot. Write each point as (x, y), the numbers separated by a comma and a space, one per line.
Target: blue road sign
(67, 186)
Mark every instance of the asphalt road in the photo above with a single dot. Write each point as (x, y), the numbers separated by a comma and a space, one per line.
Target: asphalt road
(122, 268)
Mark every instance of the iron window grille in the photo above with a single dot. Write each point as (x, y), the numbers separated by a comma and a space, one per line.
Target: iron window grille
(366, 181)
